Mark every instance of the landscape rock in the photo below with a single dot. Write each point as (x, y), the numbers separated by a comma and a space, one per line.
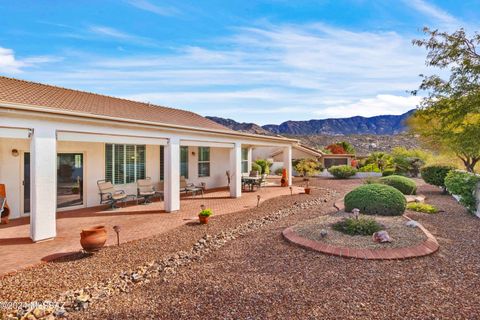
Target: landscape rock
(381, 236)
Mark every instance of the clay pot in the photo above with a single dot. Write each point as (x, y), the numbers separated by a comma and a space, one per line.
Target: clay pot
(93, 239)
(203, 219)
(307, 190)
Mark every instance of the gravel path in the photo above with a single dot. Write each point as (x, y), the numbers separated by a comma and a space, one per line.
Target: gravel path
(260, 276)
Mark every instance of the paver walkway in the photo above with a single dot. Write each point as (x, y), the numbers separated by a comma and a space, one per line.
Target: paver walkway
(17, 250)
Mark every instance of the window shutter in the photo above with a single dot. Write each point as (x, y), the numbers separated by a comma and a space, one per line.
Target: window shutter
(119, 164)
(109, 162)
(140, 162)
(162, 163)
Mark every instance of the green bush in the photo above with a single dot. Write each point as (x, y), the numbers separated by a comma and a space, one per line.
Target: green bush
(264, 165)
(256, 167)
(388, 172)
(372, 167)
(357, 227)
(463, 184)
(342, 172)
(435, 175)
(376, 199)
(307, 167)
(403, 184)
(421, 207)
(205, 213)
(279, 171)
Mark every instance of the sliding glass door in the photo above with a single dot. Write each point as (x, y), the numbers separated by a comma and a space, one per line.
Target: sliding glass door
(69, 179)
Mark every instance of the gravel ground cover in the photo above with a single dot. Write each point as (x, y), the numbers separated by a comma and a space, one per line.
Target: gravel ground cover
(402, 236)
(261, 276)
(48, 280)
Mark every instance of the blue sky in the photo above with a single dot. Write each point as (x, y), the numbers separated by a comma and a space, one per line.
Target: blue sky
(254, 61)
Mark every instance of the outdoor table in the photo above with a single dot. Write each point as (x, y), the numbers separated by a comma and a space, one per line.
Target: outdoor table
(194, 190)
(251, 181)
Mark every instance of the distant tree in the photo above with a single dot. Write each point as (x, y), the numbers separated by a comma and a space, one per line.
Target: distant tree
(449, 116)
(348, 147)
(381, 159)
(336, 149)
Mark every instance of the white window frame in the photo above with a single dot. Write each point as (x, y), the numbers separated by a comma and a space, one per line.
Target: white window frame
(135, 173)
(204, 162)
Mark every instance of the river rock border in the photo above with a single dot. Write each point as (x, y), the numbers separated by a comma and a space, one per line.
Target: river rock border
(81, 299)
(427, 247)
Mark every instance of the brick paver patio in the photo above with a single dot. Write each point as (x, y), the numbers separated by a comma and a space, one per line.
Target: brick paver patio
(136, 221)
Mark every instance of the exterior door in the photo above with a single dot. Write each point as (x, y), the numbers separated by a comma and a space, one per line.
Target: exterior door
(69, 180)
(26, 183)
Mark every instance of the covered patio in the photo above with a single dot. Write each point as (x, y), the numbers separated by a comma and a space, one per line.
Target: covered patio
(18, 251)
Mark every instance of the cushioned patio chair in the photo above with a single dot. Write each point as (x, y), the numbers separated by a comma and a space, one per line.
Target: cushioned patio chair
(253, 174)
(184, 185)
(109, 195)
(263, 181)
(146, 190)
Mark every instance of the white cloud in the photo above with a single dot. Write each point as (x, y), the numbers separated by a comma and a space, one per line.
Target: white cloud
(369, 107)
(267, 74)
(10, 64)
(434, 12)
(148, 6)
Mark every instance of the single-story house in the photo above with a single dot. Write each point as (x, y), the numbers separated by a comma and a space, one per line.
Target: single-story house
(301, 151)
(56, 143)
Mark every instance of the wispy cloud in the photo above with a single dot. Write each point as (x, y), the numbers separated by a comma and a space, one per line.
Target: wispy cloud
(150, 7)
(112, 33)
(434, 12)
(262, 73)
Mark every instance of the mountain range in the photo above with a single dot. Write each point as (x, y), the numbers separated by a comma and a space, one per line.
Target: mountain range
(378, 125)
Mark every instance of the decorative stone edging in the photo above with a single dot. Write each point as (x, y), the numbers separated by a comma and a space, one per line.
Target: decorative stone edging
(81, 299)
(427, 247)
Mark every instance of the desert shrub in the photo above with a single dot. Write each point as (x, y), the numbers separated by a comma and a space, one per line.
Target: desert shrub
(381, 159)
(372, 167)
(376, 199)
(435, 175)
(421, 207)
(342, 172)
(279, 171)
(463, 184)
(388, 172)
(357, 227)
(403, 184)
(256, 167)
(307, 167)
(264, 165)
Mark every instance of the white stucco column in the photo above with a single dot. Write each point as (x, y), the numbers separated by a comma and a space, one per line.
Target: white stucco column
(287, 163)
(236, 171)
(43, 192)
(250, 149)
(172, 175)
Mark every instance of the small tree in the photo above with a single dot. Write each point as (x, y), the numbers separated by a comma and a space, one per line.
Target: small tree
(307, 167)
(381, 159)
(264, 165)
(449, 117)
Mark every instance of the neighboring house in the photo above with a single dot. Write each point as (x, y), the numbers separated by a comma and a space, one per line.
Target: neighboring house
(301, 151)
(56, 143)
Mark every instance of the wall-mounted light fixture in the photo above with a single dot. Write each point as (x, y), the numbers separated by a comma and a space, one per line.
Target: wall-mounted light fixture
(15, 153)
(193, 153)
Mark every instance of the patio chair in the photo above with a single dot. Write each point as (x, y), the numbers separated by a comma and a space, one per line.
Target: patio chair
(146, 190)
(109, 195)
(263, 181)
(253, 174)
(2, 204)
(184, 185)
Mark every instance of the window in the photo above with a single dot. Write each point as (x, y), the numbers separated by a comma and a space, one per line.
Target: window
(244, 160)
(184, 162)
(124, 163)
(203, 161)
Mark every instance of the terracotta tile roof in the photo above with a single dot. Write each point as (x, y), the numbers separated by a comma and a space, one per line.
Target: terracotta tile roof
(37, 94)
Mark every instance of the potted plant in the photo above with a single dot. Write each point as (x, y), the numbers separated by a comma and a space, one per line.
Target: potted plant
(307, 187)
(204, 214)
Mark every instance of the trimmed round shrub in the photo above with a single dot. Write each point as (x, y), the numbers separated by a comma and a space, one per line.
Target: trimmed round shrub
(435, 175)
(403, 184)
(342, 172)
(388, 172)
(376, 199)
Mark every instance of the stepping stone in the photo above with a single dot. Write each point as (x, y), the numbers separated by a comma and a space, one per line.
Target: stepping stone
(415, 198)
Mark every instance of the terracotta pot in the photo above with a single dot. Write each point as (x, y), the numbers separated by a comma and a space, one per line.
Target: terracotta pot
(203, 219)
(307, 190)
(93, 239)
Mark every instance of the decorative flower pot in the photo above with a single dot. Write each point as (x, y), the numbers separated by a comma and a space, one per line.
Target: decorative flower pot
(307, 190)
(203, 219)
(93, 239)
